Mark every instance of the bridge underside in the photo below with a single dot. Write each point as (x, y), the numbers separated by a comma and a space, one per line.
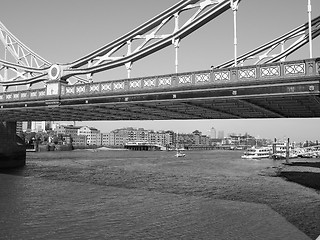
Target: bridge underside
(290, 98)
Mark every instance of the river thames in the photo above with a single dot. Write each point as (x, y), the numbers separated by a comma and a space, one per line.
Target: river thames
(119, 194)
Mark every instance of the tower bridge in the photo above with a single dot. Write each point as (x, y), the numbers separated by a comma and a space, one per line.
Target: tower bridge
(272, 87)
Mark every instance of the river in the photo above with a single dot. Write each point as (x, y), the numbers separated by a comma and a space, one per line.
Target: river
(121, 194)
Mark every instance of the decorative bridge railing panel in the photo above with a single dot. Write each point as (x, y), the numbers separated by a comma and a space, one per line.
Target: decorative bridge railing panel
(270, 71)
(247, 73)
(295, 69)
(281, 70)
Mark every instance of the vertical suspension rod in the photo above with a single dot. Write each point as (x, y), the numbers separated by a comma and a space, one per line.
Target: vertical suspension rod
(234, 6)
(176, 41)
(5, 58)
(176, 47)
(129, 64)
(310, 36)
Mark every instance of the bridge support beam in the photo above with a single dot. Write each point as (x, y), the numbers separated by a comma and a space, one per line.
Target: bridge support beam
(12, 148)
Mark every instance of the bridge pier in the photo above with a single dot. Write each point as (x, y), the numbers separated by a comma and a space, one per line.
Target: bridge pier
(12, 148)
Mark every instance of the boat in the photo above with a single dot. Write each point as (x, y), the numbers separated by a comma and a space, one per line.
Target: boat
(309, 152)
(280, 156)
(280, 151)
(144, 146)
(257, 153)
(180, 154)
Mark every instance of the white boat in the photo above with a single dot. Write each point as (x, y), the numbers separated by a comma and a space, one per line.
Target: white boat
(309, 152)
(279, 156)
(280, 151)
(179, 153)
(257, 153)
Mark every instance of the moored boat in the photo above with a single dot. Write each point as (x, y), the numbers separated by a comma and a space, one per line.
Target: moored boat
(257, 153)
(279, 156)
(282, 150)
(180, 154)
(309, 152)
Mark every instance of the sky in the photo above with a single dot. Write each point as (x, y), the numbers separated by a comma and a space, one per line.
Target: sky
(64, 30)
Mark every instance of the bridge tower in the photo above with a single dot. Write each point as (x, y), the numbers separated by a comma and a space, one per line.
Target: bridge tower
(12, 148)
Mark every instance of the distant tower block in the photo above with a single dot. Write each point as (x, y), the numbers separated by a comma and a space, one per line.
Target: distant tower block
(221, 134)
(213, 133)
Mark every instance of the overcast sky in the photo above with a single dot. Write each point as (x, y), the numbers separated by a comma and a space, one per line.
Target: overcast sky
(64, 30)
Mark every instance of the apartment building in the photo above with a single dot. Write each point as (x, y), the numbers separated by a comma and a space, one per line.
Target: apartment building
(105, 139)
(67, 130)
(93, 135)
(120, 137)
(80, 140)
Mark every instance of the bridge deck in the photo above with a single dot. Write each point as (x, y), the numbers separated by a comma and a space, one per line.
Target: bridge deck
(278, 90)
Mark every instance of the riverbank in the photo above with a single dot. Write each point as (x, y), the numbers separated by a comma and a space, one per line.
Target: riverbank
(302, 171)
(209, 175)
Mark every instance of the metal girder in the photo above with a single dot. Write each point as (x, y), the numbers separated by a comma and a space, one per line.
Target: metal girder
(276, 106)
(28, 67)
(163, 107)
(259, 108)
(317, 99)
(133, 114)
(212, 109)
(22, 55)
(143, 113)
(265, 53)
(290, 106)
(307, 107)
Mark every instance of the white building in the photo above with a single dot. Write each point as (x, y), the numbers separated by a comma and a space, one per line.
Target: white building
(213, 133)
(93, 135)
(34, 126)
(67, 130)
(120, 137)
(220, 134)
(105, 139)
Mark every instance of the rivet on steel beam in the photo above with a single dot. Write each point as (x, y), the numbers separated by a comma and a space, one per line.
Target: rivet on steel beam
(126, 99)
(311, 88)
(1, 106)
(174, 95)
(87, 101)
(234, 93)
(26, 105)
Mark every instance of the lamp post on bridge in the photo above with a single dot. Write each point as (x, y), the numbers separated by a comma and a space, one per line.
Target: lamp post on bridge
(129, 64)
(234, 6)
(310, 35)
(128, 67)
(176, 43)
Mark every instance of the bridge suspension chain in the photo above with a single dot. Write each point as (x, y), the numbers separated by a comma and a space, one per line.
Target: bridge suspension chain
(265, 53)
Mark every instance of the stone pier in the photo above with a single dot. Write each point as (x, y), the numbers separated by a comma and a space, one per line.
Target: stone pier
(12, 147)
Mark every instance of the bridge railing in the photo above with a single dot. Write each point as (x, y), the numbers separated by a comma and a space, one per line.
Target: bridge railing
(300, 68)
(23, 95)
(281, 70)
